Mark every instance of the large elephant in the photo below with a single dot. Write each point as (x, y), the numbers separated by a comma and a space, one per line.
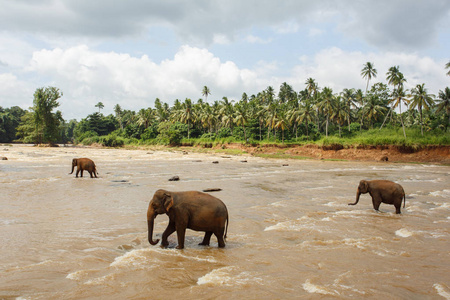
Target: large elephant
(84, 164)
(194, 210)
(382, 191)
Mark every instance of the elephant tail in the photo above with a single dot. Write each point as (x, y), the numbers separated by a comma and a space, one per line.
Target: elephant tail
(404, 200)
(226, 229)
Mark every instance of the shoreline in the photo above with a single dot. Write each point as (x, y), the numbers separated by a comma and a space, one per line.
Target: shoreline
(385, 153)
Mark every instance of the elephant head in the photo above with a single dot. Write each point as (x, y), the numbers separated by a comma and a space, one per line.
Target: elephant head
(363, 188)
(161, 203)
(74, 163)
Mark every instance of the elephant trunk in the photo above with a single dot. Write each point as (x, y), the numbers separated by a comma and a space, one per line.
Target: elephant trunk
(73, 167)
(358, 193)
(150, 221)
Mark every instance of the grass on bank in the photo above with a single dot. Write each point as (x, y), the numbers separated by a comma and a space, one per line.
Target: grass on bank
(372, 137)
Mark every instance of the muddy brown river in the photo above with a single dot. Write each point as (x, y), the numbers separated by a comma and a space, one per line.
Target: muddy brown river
(291, 233)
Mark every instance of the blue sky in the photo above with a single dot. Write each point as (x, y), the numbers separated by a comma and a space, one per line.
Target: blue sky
(132, 52)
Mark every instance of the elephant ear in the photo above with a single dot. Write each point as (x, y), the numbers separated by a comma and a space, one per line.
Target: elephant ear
(168, 201)
(365, 185)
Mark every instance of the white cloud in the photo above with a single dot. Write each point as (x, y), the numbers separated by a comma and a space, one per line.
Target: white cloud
(87, 76)
(257, 40)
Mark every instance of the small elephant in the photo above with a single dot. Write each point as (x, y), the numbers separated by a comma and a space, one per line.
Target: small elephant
(84, 164)
(382, 191)
(194, 210)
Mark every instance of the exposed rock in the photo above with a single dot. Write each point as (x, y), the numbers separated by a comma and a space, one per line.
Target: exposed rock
(3, 158)
(174, 178)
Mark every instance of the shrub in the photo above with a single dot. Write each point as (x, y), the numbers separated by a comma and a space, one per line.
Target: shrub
(111, 140)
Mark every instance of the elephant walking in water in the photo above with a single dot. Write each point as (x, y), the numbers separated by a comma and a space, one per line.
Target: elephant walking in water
(194, 210)
(382, 191)
(84, 164)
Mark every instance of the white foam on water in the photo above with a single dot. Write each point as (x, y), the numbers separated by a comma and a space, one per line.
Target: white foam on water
(224, 277)
(78, 275)
(296, 225)
(441, 291)
(403, 232)
(317, 289)
(136, 259)
(444, 193)
(280, 204)
(178, 253)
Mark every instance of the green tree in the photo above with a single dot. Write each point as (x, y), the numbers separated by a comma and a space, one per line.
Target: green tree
(373, 109)
(421, 100)
(368, 72)
(45, 123)
(100, 106)
(447, 66)
(118, 111)
(206, 92)
(241, 118)
(444, 104)
(326, 105)
(307, 114)
(400, 97)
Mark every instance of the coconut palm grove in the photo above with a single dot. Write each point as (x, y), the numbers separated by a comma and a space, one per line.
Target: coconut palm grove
(380, 114)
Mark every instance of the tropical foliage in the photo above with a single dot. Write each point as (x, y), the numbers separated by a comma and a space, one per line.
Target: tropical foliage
(304, 116)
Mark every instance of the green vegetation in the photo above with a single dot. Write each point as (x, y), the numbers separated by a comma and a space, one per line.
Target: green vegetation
(383, 114)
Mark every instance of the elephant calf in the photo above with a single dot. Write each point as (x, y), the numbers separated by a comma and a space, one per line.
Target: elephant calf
(194, 210)
(382, 191)
(84, 164)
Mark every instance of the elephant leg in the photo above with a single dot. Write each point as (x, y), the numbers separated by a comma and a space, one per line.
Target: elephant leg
(169, 230)
(397, 207)
(206, 239)
(220, 239)
(90, 173)
(81, 173)
(181, 231)
(376, 203)
(78, 171)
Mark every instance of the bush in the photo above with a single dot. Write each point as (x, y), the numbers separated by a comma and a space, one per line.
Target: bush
(111, 140)
(224, 132)
(85, 135)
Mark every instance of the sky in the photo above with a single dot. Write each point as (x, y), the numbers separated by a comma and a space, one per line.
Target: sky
(132, 52)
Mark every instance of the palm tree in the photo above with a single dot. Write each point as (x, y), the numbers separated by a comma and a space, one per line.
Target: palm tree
(187, 115)
(307, 114)
(368, 72)
(349, 100)
(373, 109)
(340, 112)
(326, 105)
(444, 103)
(100, 106)
(118, 112)
(286, 93)
(360, 99)
(395, 78)
(226, 112)
(241, 118)
(282, 123)
(145, 117)
(206, 92)
(399, 97)
(272, 118)
(422, 100)
(447, 66)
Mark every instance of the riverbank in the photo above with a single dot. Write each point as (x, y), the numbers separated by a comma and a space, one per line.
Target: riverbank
(390, 153)
(380, 153)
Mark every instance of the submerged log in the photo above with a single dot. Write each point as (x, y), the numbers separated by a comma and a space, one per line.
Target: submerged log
(212, 190)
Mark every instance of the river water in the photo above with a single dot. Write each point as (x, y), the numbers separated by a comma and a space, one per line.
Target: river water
(291, 233)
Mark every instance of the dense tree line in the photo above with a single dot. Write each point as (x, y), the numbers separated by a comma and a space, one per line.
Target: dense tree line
(290, 115)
